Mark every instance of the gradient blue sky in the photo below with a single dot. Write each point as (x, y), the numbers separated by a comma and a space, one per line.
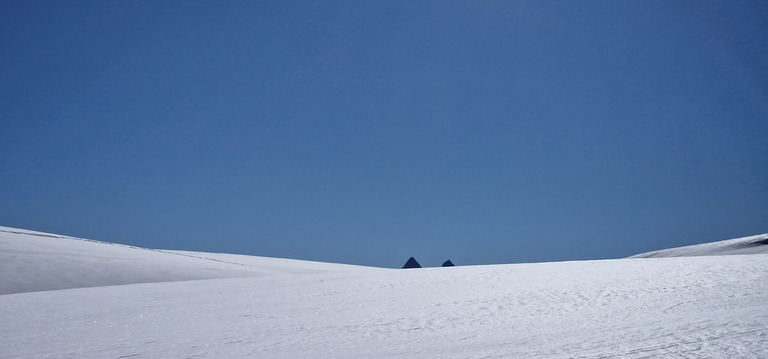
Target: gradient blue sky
(368, 132)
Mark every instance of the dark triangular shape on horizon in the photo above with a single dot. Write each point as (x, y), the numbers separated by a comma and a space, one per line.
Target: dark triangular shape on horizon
(411, 263)
(448, 263)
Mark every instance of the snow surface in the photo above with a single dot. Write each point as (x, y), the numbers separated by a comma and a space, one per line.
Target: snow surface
(745, 245)
(697, 307)
(36, 261)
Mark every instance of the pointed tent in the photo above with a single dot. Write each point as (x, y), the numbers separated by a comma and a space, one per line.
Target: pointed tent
(448, 263)
(411, 263)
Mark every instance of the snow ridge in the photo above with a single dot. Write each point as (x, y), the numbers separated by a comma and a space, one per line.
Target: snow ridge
(757, 244)
(36, 261)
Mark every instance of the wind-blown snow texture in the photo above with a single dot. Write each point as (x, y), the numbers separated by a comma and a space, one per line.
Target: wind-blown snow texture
(715, 306)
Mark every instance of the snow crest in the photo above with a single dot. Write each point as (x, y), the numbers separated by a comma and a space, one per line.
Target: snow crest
(746, 245)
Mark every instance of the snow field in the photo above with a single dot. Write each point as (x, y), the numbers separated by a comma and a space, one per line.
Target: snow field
(35, 261)
(694, 307)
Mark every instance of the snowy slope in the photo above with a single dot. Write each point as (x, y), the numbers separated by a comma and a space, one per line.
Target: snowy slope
(710, 307)
(35, 261)
(745, 245)
(671, 307)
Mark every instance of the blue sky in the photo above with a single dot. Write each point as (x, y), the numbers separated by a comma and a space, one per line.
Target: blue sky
(368, 132)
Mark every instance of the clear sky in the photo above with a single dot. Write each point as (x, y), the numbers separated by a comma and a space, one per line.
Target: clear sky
(367, 132)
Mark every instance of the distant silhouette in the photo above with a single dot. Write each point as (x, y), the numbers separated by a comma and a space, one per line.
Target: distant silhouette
(448, 263)
(411, 263)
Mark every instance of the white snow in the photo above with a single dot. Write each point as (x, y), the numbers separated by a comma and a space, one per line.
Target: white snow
(710, 307)
(745, 245)
(36, 261)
